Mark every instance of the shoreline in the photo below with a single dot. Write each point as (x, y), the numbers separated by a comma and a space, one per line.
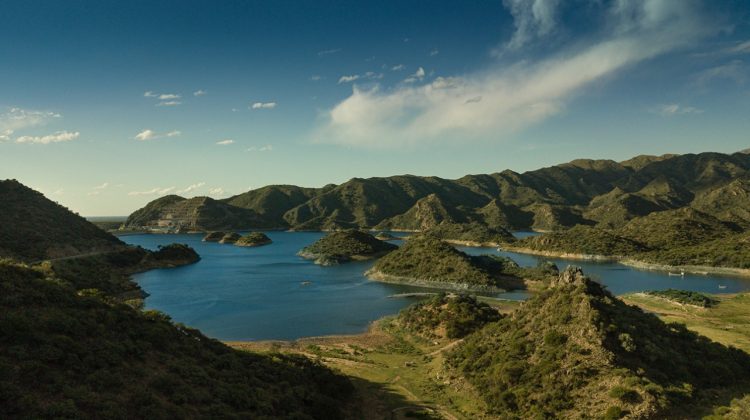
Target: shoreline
(637, 264)
(375, 275)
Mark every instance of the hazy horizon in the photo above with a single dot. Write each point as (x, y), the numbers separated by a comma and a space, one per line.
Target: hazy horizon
(106, 106)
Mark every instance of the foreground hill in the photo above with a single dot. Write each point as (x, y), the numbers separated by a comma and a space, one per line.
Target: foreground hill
(577, 350)
(584, 191)
(76, 345)
(75, 355)
(34, 228)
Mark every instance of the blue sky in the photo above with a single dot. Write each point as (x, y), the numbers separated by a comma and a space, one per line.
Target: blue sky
(106, 105)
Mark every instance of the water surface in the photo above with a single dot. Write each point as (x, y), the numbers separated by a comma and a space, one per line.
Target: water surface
(237, 293)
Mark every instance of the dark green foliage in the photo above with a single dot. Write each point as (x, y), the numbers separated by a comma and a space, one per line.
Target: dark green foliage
(176, 252)
(675, 228)
(684, 296)
(429, 259)
(346, 244)
(575, 348)
(253, 239)
(470, 232)
(64, 355)
(34, 228)
(230, 238)
(214, 236)
(731, 251)
(457, 315)
(583, 240)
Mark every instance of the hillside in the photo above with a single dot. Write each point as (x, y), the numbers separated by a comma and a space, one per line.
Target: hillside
(428, 261)
(78, 355)
(583, 191)
(346, 245)
(253, 239)
(34, 228)
(577, 349)
(471, 233)
(582, 240)
(445, 316)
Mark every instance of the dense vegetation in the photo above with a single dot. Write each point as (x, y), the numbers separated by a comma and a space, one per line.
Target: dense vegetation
(80, 355)
(674, 237)
(215, 236)
(575, 348)
(33, 228)
(253, 239)
(588, 192)
(230, 238)
(428, 259)
(687, 297)
(345, 245)
(450, 316)
(473, 232)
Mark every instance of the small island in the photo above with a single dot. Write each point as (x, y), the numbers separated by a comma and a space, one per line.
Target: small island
(253, 239)
(447, 316)
(213, 237)
(385, 236)
(230, 238)
(344, 246)
(429, 262)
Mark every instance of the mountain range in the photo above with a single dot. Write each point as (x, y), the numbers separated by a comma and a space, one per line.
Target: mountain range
(603, 193)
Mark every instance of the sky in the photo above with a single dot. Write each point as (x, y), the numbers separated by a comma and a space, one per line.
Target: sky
(106, 105)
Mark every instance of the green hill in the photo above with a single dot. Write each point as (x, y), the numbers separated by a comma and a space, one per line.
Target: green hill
(471, 233)
(675, 228)
(428, 261)
(346, 245)
(80, 355)
(194, 214)
(445, 316)
(583, 240)
(576, 351)
(253, 239)
(34, 228)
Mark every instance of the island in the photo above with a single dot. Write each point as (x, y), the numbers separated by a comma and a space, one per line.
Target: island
(429, 262)
(230, 238)
(253, 239)
(346, 245)
(471, 234)
(213, 236)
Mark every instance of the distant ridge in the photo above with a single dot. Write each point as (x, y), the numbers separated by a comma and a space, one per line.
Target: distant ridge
(583, 191)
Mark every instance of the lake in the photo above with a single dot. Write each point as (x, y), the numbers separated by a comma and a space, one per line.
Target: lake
(237, 293)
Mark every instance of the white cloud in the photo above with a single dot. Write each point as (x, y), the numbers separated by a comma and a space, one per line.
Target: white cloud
(670, 110)
(149, 94)
(169, 96)
(217, 192)
(153, 191)
(370, 75)
(5, 135)
(167, 99)
(734, 70)
(329, 52)
(348, 79)
(102, 186)
(533, 19)
(15, 119)
(199, 92)
(316, 77)
(58, 137)
(190, 188)
(225, 142)
(740, 48)
(417, 76)
(169, 103)
(153, 135)
(263, 105)
(398, 67)
(434, 52)
(266, 148)
(513, 96)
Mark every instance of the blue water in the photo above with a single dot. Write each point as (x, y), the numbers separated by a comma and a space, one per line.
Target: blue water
(237, 293)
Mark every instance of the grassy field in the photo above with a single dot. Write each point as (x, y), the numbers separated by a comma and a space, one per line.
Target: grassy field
(397, 375)
(728, 322)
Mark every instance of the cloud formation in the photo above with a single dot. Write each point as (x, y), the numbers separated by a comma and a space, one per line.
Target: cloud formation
(199, 92)
(168, 99)
(532, 18)
(328, 52)
(153, 191)
(266, 148)
(15, 119)
(225, 142)
(149, 134)
(518, 95)
(58, 137)
(263, 105)
(670, 110)
(190, 188)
